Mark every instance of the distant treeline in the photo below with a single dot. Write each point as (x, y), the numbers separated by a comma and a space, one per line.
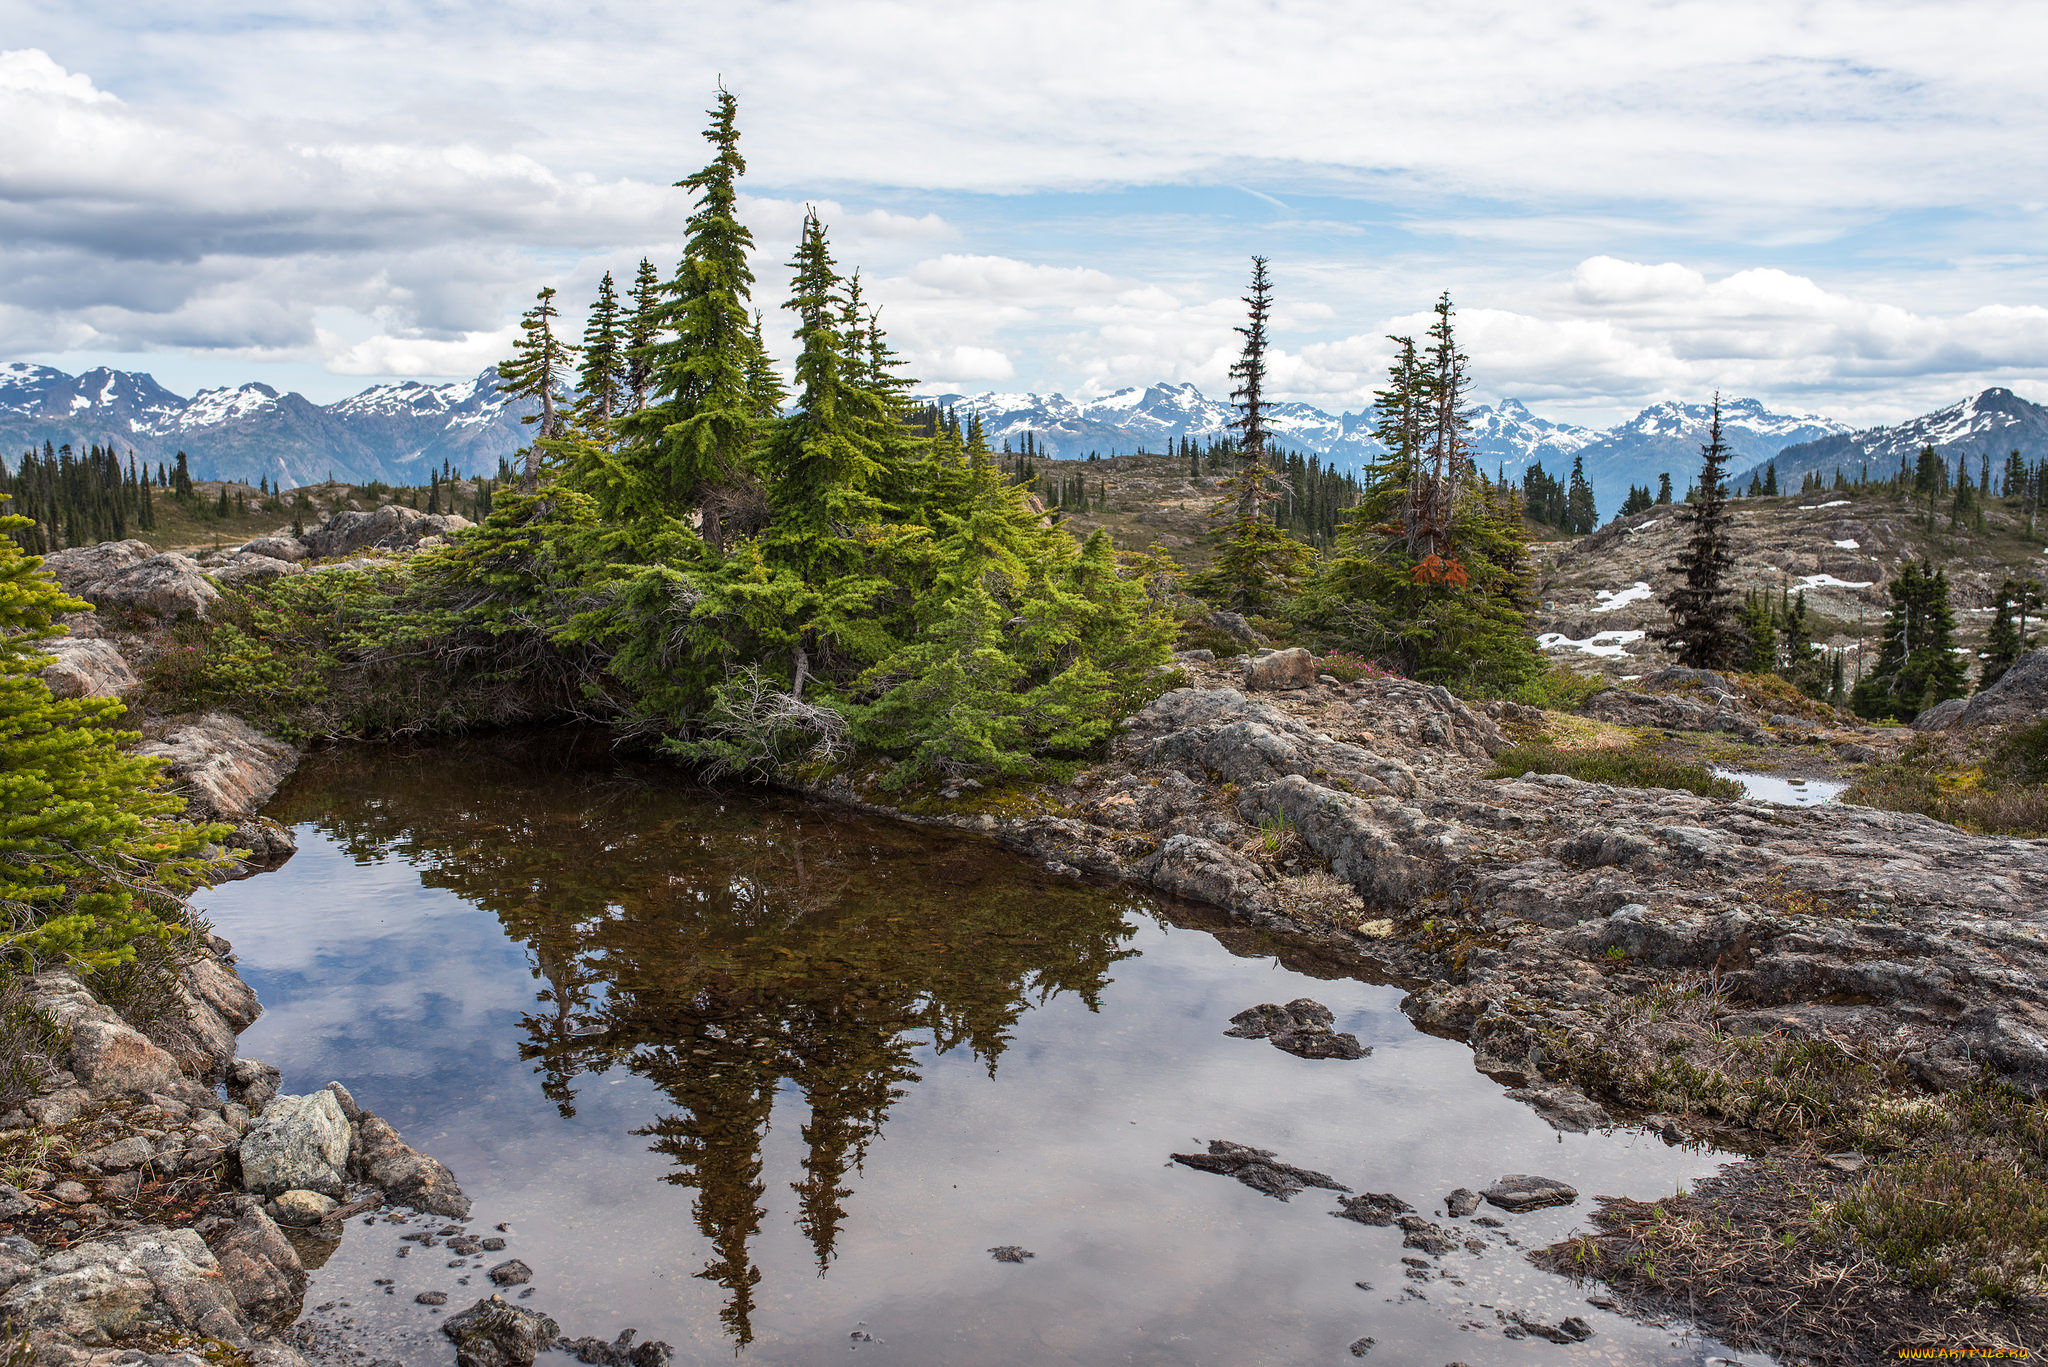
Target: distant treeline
(77, 499)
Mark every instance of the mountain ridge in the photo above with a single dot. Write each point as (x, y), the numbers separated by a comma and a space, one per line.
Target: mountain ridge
(397, 432)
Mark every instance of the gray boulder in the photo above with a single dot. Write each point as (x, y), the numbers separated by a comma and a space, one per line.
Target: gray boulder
(1290, 668)
(300, 1143)
(2020, 696)
(1233, 625)
(252, 1083)
(1520, 1192)
(87, 667)
(496, 1333)
(283, 548)
(249, 567)
(302, 1208)
(130, 575)
(390, 528)
(225, 767)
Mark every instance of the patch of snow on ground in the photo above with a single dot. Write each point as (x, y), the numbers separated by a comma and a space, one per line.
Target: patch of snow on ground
(1815, 507)
(1612, 599)
(1785, 792)
(1849, 545)
(1828, 581)
(1645, 526)
(1606, 644)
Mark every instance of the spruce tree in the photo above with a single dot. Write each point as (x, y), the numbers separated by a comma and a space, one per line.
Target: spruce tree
(92, 859)
(601, 381)
(642, 328)
(1257, 561)
(538, 369)
(2007, 638)
(1702, 628)
(687, 448)
(1580, 514)
(1917, 667)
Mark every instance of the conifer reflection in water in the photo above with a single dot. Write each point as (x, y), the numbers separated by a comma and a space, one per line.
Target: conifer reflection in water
(724, 950)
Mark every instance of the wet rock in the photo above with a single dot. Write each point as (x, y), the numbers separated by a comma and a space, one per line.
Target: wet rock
(432, 1298)
(405, 1175)
(253, 1083)
(1010, 1253)
(1461, 1202)
(1258, 1169)
(1565, 1108)
(302, 1208)
(1362, 1347)
(621, 1351)
(260, 1266)
(496, 1333)
(1290, 668)
(1571, 1330)
(1378, 1208)
(1302, 1027)
(87, 668)
(95, 1290)
(224, 767)
(301, 1142)
(511, 1272)
(1419, 1233)
(1519, 1192)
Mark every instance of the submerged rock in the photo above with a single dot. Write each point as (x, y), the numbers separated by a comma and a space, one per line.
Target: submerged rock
(496, 1333)
(1258, 1169)
(1461, 1202)
(1379, 1208)
(1302, 1028)
(1519, 1192)
(1010, 1253)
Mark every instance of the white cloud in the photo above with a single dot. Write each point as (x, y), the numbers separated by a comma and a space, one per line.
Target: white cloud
(389, 355)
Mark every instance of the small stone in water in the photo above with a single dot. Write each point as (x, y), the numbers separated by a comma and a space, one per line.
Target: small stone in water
(494, 1245)
(1011, 1253)
(511, 1273)
(1461, 1202)
(1361, 1347)
(432, 1298)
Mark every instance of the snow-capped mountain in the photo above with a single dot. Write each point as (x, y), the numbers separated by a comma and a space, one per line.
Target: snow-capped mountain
(390, 432)
(1506, 437)
(1992, 424)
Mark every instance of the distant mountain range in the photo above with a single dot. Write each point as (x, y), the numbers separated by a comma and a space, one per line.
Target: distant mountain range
(391, 432)
(396, 433)
(1505, 437)
(1993, 423)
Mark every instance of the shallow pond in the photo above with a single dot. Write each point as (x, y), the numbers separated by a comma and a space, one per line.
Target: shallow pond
(771, 1080)
(1795, 791)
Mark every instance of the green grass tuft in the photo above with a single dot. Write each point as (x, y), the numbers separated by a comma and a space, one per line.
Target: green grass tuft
(1622, 768)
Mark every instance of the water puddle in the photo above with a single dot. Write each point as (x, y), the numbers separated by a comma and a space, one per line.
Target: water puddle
(1783, 791)
(765, 1079)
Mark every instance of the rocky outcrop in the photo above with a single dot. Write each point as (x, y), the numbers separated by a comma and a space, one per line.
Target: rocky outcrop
(107, 1055)
(88, 667)
(253, 567)
(405, 1174)
(94, 1292)
(2019, 698)
(390, 528)
(260, 1267)
(131, 576)
(226, 770)
(1290, 668)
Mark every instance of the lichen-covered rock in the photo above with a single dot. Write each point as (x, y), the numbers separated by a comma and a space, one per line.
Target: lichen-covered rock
(302, 1208)
(405, 1175)
(107, 1055)
(284, 548)
(301, 1142)
(87, 667)
(224, 766)
(2018, 698)
(253, 1083)
(260, 1267)
(248, 568)
(496, 1333)
(132, 576)
(96, 1291)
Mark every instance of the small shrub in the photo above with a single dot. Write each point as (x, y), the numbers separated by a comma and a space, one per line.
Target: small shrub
(31, 1042)
(1346, 667)
(1560, 690)
(1201, 634)
(1621, 768)
(1998, 797)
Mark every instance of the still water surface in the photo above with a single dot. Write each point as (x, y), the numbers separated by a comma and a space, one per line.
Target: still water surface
(769, 1081)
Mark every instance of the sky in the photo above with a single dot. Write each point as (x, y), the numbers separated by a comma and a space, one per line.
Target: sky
(1833, 207)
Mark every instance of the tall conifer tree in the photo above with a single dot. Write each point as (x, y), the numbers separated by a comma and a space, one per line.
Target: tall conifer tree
(1703, 625)
(538, 368)
(687, 448)
(642, 328)
(602, 379)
